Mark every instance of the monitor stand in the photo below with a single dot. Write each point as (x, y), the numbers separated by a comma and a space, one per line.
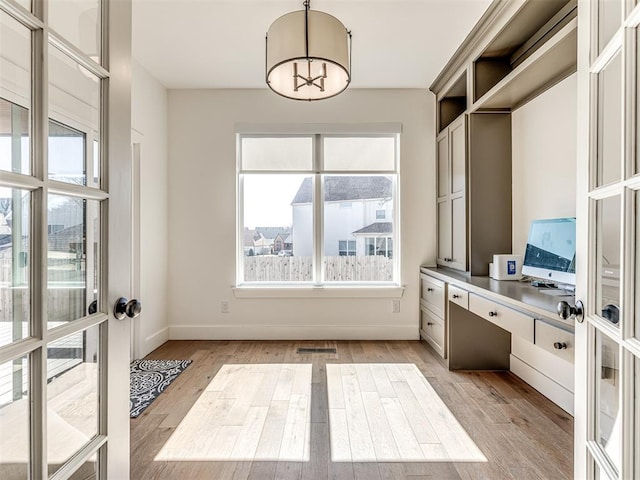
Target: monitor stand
(556, 292)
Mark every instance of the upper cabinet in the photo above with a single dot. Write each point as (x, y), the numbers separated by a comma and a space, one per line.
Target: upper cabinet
(452, 164)
(474, 191)
(518, 49)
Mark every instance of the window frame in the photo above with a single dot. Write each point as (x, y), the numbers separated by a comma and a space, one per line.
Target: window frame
(317, 133)
(348, 252)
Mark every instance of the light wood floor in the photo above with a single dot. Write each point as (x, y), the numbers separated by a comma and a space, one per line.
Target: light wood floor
(521, 434)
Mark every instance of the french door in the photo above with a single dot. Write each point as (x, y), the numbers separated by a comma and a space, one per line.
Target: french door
(607, 413)
(65, 233)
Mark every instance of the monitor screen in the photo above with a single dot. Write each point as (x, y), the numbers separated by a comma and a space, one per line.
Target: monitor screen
(551, 250)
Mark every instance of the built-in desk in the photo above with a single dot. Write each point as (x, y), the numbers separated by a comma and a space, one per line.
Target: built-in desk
(481, 323)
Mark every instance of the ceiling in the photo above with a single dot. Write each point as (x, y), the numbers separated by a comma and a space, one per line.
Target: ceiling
(221, 43)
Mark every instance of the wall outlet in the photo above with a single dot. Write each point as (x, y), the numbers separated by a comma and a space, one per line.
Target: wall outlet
(395, 308)
(224, 306)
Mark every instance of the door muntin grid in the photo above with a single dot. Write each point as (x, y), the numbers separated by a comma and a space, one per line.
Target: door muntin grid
(52, 110)
(613, 436)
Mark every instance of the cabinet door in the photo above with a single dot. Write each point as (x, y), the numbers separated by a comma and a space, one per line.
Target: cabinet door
(458, 155)
(458, 233)
(444, 232)
(452, 221)
(443, 164)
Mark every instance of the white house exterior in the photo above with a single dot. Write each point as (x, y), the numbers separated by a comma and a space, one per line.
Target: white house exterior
(352, 204)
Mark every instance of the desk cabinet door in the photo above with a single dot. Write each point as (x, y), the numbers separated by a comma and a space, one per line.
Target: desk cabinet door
(433, 328)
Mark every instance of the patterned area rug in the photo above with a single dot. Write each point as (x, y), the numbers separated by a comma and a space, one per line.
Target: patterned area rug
(149, 378)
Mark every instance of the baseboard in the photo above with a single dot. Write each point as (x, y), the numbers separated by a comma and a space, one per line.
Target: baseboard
(154, 341)
(545, 385)
(293, 332)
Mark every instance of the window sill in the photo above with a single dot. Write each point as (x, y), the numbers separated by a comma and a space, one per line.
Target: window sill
(365, 291)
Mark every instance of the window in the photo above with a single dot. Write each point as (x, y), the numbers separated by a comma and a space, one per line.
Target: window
(379, 246)
(346, 248)
(328, 201)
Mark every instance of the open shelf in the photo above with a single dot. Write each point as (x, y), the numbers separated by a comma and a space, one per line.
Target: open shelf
(453, 104)
(552, 62)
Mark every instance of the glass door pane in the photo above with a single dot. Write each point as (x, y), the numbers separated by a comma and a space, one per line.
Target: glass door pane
(609, 139)
(72, 394)
(73, 227)
(609, 20)
(15, 95)
(608, 257)
(79, 22)
(15, 299)
(25, 3)
(74, 111)
(608, 411)
(88, 471)
(14, 419)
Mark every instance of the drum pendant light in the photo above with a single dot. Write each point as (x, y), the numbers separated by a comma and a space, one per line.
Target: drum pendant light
(308, 55)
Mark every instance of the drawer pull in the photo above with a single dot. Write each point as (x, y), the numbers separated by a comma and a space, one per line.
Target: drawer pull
(493, 314)
(455, 295)
(560, 345)
(429, 289)
(429, 323)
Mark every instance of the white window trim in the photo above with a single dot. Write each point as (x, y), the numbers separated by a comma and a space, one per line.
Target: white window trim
(323, 291)
(391, 289)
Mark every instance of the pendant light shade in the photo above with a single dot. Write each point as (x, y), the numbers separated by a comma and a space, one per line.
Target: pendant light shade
(308, 55)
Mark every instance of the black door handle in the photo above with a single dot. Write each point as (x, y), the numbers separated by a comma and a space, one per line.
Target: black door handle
(93, 307)
(129, 308)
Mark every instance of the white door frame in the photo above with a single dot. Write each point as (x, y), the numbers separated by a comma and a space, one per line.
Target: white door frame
(137, 139)
(119, 236)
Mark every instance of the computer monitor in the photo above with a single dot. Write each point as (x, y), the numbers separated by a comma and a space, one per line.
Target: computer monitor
(551, 250)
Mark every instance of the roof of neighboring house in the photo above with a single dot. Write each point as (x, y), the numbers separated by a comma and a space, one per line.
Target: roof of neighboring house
(346, 188)
(272, 232)
(67, 239)
(376, 228)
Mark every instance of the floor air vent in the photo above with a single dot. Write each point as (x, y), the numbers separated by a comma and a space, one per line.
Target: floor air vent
(315, 350)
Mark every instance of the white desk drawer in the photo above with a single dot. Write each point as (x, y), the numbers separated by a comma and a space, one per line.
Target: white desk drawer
(432, 294)
(515, 322)
(459, 296)
(433, 327)
(555, 340)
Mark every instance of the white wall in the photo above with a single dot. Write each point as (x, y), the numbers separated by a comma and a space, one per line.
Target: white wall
(544, 159)
(149, 120)
(202, 233)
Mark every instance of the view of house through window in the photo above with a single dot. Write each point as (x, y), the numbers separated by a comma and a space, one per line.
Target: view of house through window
(289, 236)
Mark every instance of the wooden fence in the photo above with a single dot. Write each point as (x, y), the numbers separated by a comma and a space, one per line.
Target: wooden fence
(267, 268)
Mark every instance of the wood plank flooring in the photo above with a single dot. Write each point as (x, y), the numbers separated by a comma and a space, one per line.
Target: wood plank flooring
(248, 412)
(521, 434)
